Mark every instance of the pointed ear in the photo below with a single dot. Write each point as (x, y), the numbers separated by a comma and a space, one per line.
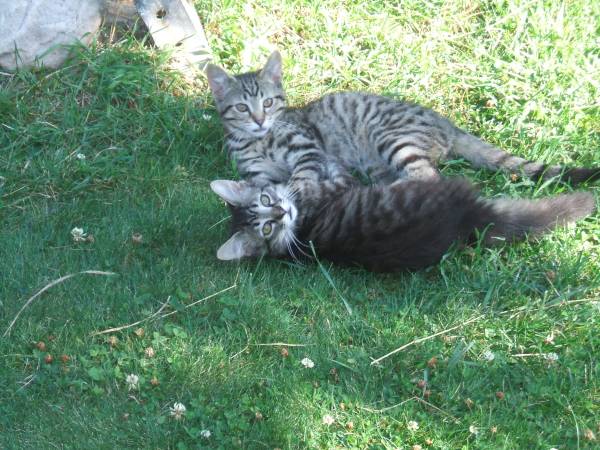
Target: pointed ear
(219, 81)
(272, 70)
(230, 191)
(239, 246)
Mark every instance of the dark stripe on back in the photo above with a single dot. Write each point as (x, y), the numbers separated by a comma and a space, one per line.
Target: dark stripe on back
(310, 157)
(298, 147)
(366, 111)
(353, 115)
(318, 135)
(245, 160)
(252, 173)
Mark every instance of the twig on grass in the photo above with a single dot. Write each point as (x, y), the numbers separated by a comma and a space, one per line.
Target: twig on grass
(281, 344)
(415, 398)
(29, 378)
(124, 327)
(220, 221)
(26, 381)
(48, 286)
(234, 285)
(387, 408)
(556, 304)
(245, 348)
(515, 310)
(441, 411)
(157, 316)
(423, 339)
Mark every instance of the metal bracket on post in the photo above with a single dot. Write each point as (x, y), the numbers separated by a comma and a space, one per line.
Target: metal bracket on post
(175, 23)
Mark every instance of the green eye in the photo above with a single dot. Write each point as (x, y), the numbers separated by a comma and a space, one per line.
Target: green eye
(265, 200)
(241, 107)
(267, 229)
(268, 103)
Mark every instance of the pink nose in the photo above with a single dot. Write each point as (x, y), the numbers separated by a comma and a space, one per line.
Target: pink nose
(258, 120)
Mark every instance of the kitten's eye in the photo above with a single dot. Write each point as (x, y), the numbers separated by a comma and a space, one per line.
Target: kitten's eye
(265, 200)
(241, 107)
(268, 103)
(267, 229)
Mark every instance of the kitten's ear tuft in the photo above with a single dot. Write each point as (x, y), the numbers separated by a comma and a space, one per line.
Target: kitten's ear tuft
(238, 246)
(219, 81)
(272, 70)
(230, 191)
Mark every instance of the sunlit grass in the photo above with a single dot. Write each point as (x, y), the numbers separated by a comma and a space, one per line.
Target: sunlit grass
(523, 75)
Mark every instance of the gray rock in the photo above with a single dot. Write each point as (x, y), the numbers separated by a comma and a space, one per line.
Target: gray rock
(38, 29)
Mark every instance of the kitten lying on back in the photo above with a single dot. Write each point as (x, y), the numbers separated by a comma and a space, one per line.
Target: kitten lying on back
(406, 225)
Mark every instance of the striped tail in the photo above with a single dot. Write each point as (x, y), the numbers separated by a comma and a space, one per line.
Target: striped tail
(484, 155)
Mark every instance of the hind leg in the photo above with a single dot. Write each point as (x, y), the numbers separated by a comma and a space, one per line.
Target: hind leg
(411, 154)
(411, 161)
(415, 165)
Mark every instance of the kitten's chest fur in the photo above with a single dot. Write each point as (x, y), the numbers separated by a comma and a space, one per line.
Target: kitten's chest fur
(260, 159)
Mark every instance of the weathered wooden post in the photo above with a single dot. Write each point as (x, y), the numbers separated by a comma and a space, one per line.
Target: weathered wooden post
(175, 23)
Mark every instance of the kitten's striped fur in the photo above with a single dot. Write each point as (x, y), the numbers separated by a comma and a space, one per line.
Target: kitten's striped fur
(300, 160)
(341, 132)
(406, 225)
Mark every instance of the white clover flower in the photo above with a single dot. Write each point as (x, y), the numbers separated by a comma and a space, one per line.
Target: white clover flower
(80, 156)
(205, 434)
(132, 381)
(412, 425)
(308, 363)
(178, 410)
(551, 357)
(473, 430)
(488, 355)
(149, 352)
(78, 234)
(328, 419)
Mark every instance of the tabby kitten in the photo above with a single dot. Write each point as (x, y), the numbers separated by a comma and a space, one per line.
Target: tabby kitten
(406, 225)
(347, 131)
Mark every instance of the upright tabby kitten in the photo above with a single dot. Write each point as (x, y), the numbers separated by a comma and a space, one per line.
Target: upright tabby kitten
(342, 132)
(405, 225)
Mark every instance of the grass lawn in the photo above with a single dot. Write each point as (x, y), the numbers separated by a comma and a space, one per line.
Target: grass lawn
(117, 143)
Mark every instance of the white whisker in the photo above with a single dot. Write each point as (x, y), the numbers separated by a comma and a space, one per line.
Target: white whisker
(297, 243)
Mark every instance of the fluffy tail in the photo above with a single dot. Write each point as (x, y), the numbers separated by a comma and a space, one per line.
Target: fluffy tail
(482, 154)
(514, 219)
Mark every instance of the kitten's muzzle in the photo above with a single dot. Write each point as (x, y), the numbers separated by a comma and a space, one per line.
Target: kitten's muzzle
(278, 212)
(258, 120)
